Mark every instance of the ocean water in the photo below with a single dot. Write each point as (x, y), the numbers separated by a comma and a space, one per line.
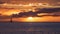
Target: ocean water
(29, 28)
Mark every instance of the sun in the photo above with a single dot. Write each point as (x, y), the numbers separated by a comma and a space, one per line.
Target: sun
(30, 18)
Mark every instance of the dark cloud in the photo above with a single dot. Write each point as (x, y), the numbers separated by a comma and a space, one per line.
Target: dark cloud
(25, 14)
(46, 12)
(49, 11)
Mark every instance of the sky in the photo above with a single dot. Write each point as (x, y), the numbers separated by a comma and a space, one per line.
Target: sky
(29, 1)
(9, 7)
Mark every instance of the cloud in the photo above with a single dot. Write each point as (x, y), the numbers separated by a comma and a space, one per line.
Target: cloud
(48, 10)
(28, 1)
(44, 11)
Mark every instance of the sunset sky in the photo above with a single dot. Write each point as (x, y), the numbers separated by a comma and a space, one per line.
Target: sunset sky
(29, 1)
(3, 3)
(9, 7)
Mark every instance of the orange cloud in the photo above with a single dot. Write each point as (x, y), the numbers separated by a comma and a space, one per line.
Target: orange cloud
(9, 11)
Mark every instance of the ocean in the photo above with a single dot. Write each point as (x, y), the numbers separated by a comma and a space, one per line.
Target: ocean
(29, 28)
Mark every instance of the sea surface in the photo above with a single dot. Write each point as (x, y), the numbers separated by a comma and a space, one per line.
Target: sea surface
(29, 28)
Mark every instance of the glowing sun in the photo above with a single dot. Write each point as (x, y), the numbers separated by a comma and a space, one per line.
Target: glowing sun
(30, 18)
